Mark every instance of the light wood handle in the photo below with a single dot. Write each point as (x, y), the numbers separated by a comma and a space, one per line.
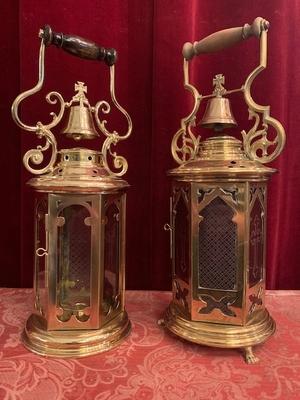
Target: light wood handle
(226, 38)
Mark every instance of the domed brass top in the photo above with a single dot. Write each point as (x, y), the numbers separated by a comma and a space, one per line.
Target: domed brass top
(78, 170)
(221, 157)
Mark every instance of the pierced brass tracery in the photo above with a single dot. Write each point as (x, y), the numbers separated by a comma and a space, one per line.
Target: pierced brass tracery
(188, 149)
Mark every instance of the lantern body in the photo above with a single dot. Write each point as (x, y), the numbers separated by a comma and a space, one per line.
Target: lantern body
(218, 210)
(218, 228)
(79, 217)
(79, 258)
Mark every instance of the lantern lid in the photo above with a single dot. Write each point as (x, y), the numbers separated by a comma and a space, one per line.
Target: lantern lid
(78, 170)
(222, 157)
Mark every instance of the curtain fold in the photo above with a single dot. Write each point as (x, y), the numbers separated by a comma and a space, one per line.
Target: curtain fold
(149, 35)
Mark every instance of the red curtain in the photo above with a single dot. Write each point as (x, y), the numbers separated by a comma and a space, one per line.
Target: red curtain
(148, 36)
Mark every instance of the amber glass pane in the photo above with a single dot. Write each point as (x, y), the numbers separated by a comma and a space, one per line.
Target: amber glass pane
(217, 247)
(256, 251)
(74, 259)
(182, 241)
(111, 255)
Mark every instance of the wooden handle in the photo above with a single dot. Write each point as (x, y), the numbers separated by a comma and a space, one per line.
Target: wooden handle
(223, 39)
(78, 46)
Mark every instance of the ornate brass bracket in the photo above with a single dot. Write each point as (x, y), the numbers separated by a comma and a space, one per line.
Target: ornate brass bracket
(188, 148)
(256, 140)
(35, 156)
(84, 49)
(112, 138)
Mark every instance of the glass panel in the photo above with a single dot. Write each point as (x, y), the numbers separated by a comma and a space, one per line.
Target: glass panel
(111, 257)
(182, 241)
(40, 262)
(74, 259)
(218, 257)
(256, 251)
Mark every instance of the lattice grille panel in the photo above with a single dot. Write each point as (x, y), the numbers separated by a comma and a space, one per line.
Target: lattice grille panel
(217, 247)
(80, 248)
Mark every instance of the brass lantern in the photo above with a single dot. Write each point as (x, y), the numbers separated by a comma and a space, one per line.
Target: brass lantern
(79, 220)
(218, 212)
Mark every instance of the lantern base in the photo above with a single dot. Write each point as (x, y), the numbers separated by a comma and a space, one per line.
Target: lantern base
(74, 343)
(259, 329)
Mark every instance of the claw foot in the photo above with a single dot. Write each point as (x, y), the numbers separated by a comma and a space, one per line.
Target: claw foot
(250, 358)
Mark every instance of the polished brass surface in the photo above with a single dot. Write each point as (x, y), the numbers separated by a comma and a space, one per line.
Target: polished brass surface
(68, 343)
(79, 119)
(80, 212)
(216, 335)
(79, 170)
(222, 158)
(221, 171)
(80, 124)
(218, 114)
(257, 145)
(218, 213)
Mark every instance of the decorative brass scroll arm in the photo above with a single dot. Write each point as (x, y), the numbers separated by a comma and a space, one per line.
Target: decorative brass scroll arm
(185, 144)
(112, 138)
(257, 145)
(35, 156)
(256, 142)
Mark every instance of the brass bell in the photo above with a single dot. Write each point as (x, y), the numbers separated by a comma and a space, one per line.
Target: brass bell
(80, 123)
(218, 114)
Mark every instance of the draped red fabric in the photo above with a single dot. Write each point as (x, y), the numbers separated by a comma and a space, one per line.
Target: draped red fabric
(148, 36)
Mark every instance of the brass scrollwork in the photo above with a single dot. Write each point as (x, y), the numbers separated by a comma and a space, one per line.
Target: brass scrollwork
(35, 156)
(256, 142)
(112, 138)
(188, 148)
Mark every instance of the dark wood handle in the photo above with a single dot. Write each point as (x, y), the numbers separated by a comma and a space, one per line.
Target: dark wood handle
(223, 39)
(78, 46)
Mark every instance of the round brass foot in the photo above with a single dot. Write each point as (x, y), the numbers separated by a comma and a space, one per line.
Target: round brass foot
(76, 343)
(256, 331)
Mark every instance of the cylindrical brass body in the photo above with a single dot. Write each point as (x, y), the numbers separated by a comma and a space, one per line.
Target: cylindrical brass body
(218, 228)
(79, 258)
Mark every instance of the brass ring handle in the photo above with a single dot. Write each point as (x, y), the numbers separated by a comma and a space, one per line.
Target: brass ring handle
(226, 38)
(78, 46)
